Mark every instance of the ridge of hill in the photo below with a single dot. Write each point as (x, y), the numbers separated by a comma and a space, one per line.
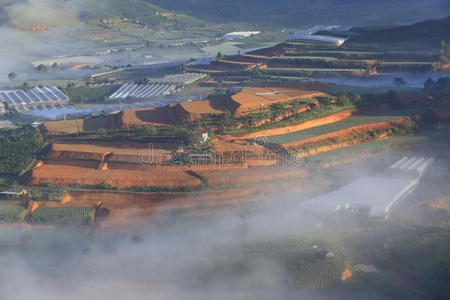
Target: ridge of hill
(24, 14)
(295, 13)
(431, 32)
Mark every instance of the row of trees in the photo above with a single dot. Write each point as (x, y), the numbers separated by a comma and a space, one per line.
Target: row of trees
(442, 83)
(40, 68)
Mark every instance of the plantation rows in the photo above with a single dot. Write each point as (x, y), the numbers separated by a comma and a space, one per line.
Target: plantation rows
(316, 275)
(333, 127)
(61, 215)
(11, 213)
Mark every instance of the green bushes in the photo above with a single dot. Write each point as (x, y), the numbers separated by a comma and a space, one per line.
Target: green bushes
(18, 149)
(62, 215)
(90, 94)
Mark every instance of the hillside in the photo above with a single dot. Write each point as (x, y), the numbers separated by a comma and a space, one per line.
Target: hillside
(427, 33)
(71, 12)
(297, 13)
(289, 13)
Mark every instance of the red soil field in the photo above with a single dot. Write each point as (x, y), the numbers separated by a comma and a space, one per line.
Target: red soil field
(249, 176)
(130, 207)
(164, 176)
(94, 152)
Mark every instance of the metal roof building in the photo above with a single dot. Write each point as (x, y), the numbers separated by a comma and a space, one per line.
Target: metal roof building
(36, 98)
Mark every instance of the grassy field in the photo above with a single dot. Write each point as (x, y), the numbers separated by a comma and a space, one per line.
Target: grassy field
(340, 125)
(90, 94)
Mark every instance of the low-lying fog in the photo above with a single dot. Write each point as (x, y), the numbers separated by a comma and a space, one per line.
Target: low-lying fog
(171, 258)
(413, 80)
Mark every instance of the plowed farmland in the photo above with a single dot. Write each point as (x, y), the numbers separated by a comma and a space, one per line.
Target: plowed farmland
(164, 176)
(127, 154)
(249, 176)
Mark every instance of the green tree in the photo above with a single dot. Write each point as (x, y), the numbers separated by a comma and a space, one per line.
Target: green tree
(26, 86)
(343, 99)
(445, 53)
(356, 98)
(12, 76)
(42, 68)
(220, 56)
(429, 85)
(184, 68)
(398, 81)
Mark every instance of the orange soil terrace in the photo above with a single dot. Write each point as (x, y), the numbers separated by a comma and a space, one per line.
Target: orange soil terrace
(249, 176)
(88, 151)
(164, 176)
(237, 62)
(130, 207)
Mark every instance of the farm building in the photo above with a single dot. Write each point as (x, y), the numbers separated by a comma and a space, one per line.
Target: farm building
(13, 193)
(36, 98)
(379, 194)
(163, 86)
(142, 91)
(240, 34)
(179, 80)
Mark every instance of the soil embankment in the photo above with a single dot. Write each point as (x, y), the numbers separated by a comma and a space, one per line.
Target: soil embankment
(307, 124)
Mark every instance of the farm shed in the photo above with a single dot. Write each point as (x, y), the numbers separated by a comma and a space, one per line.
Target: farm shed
(36, 98)
(376, 193)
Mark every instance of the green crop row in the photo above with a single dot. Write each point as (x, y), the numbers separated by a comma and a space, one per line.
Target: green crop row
(61, 215)
(11, 213)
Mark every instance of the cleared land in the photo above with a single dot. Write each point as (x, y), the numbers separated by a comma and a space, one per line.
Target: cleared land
(249, 176)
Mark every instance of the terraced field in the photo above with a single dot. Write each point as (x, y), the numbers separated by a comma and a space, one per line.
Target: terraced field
(350, 122)
(126, 175)
(249, 176)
